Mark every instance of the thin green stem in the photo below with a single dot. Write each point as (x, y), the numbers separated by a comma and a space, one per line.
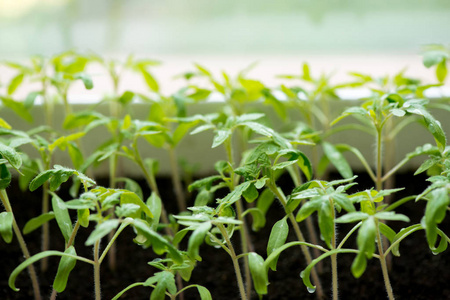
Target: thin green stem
(334, 269)
(394, 169)
(383, 263)
(23, 246)
(45, 235)
(341, 244)
(97, 270)
(244, 234)
(152, 184)
(237, 269)
(379, 182)
(112, 240)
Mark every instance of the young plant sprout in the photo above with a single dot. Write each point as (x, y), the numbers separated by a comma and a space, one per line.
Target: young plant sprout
(265, 188)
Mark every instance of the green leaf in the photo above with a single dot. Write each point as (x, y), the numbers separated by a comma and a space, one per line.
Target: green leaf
(149, 80)
(433, 126)
(37, 222)
(101, 230)
(166, 282)
(251, 193)
(83, 217)
(391, 216)
(387, 231)
(30, 99)
(132, 186)
(62, 217)
(220, 137)
(18, 108)
(259, 273)
(11, 155)
(265, 200)
(130, 197)
(76, 156)
(5, 177)
(337, 159)
(441, 70)
(155, 205)
(326, 222)
(196, 239)
(204, 293)
(366, 245)
(277, 238)
(6, 226)
(305, 165)
(404, 232)
(15, 83)
(33, 259)
(150, 234)
(431, 58)
(259, 221)
(65, 266)
(435, 213)
(235, 195)
(352, 217)
(307, 209)
(87, 80)
(4, 124)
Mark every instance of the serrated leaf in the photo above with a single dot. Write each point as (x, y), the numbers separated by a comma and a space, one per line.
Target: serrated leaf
(11, 155)
(220, 137)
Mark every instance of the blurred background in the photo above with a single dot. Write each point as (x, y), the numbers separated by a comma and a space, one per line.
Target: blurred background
(367, 35)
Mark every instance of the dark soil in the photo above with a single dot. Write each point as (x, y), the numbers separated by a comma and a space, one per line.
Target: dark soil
(416, 274)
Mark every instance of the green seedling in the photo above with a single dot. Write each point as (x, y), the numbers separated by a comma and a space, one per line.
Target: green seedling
(8, 224)
(94, 206)
(163, 282)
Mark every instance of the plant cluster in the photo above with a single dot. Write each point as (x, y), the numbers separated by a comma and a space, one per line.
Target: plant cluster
(238, 198)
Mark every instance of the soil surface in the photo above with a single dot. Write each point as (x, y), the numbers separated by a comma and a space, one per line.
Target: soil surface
(416, 274)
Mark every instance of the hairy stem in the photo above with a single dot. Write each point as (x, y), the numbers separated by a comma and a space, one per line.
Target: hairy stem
(237, 269)
(384, 267)
(45, 235)
(244, 233)
(334, 269)
(97, 262)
